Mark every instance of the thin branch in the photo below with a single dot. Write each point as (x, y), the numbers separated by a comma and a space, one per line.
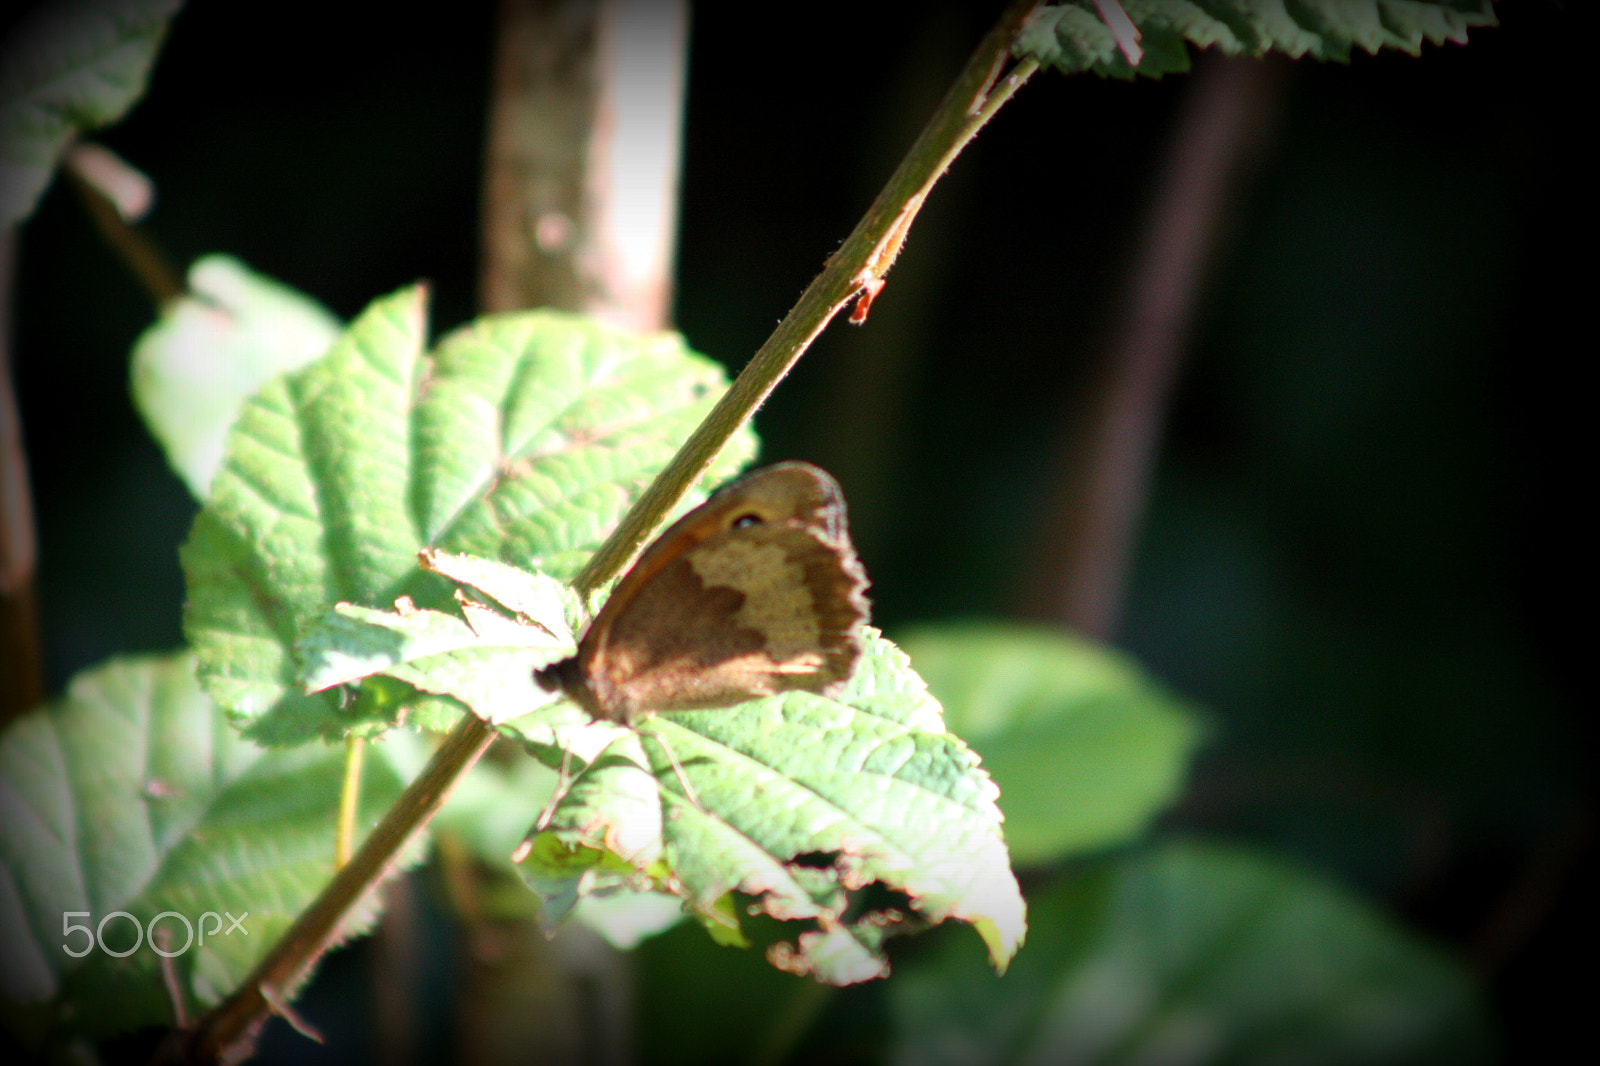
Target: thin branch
(102, 181)
(229, 1032)
(1106, 467)
(858, 265)
(21, 657)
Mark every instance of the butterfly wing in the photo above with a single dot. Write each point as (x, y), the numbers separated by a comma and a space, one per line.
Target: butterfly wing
(757, 591)
(749, 613)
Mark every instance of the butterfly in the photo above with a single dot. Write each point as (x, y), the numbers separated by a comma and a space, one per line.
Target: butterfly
(755, 592)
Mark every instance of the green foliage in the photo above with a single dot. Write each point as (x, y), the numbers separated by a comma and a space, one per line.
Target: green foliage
(1196, 953)
(229, 332)
(72, 68)
(521, 438)
(1073, 38)
(134, 793)
(800, 802)
(524, 437)
(1085, 747)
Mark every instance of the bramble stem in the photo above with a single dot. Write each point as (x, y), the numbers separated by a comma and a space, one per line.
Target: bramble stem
(228, 1032)
(861, 261)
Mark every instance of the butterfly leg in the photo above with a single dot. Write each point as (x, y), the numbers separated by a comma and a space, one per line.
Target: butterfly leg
(563, 786)
(677, 768)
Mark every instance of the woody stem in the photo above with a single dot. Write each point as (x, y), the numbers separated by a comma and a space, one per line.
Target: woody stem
(862, 260)
(228, 1032)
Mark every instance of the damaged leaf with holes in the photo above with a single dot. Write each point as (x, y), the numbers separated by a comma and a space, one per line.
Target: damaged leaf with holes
(855, 816)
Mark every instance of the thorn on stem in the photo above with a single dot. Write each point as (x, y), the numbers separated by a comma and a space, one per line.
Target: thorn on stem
(869, 290)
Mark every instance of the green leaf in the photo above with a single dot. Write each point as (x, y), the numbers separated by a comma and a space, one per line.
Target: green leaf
(70, 68)
(1085, 747)
(134, 794)
(231, 331)
(535, 597)
(801, 802)
(1194, 953)
(484, 660)
(522, 438)
(1072, 37)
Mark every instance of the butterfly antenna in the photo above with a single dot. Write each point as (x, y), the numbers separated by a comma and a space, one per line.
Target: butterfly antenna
(677, 768)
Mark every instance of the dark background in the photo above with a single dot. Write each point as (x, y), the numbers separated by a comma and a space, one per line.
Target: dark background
(1360, 554)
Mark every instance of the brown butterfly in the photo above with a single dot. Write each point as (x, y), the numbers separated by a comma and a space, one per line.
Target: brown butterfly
(755, 592)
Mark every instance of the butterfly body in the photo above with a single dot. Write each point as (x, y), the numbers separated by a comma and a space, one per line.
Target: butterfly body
(755, 592)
